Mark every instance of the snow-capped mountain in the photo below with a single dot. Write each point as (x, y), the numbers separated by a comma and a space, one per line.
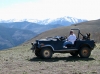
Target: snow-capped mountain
(60, 20)
(39, 26)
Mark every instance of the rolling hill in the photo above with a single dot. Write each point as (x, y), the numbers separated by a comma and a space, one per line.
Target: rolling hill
(10, 37)
(92, 27)
(34, 27)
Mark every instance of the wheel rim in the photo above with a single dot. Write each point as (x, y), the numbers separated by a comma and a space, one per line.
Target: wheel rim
(46, 53)
(85, 52)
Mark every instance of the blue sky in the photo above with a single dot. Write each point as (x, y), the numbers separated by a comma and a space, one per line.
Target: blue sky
(42, 9)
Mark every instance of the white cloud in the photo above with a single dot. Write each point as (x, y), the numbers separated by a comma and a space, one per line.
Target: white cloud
(86, 9)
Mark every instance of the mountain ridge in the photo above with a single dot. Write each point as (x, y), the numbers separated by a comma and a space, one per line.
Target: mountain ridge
(39, 26)
(45, 21)
(61, 20)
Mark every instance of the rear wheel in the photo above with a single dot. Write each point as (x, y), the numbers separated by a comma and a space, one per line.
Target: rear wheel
(85, 52)
(74, 53)
(46, 53)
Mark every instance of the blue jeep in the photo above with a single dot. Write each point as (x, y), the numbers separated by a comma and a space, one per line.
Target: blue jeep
(45, 48)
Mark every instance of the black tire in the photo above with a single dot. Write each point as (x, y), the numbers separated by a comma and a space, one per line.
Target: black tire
(85, 52)
(37, 53)
(74, 53)
(46, 53)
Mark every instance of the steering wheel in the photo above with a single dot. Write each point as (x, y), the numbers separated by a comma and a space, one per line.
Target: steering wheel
(57, 37)
(65, 37)
(49, 38)
(62, 38)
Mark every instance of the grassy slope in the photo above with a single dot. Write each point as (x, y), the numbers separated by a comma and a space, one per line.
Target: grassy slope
(20, 60)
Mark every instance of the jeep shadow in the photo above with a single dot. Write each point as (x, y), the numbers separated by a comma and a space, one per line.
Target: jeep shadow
(66, 59)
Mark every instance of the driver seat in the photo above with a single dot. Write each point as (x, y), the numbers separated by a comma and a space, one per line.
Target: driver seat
(71, 45)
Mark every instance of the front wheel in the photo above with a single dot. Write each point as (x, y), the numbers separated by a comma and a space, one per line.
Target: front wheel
(85, 52)
(37, 53)
(46, 53)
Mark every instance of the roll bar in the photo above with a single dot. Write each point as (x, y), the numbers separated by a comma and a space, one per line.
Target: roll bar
(78, 32)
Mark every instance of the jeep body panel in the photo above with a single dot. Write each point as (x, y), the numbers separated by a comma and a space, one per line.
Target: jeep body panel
(80, 43)
(57, 46)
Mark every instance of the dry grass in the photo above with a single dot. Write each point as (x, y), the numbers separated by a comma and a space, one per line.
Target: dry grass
(21, 60)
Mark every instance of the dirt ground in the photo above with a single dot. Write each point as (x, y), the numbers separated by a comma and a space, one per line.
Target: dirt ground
(21, 60)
